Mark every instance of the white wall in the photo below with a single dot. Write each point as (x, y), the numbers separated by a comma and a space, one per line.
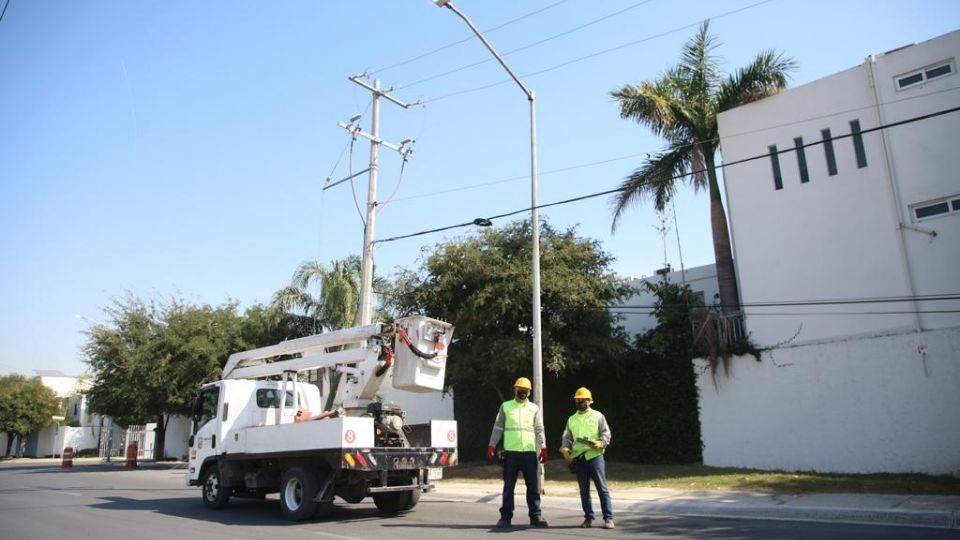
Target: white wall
(848, 387)
(838, 237)
(638, 317)
(855, 406)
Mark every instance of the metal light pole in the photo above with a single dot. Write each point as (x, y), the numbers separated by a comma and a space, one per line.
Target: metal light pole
(534, 215)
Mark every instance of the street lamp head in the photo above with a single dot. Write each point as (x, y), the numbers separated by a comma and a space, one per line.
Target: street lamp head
(441, 3)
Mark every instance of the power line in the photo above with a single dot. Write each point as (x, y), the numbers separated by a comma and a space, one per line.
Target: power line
(4, 12)
(690, 173)
(825, 302)
(593, 55)
(527, 46)
(827, 313)
(466, 39)
(639, 154)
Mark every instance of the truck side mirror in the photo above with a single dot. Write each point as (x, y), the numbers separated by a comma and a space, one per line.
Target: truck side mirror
(190, 442)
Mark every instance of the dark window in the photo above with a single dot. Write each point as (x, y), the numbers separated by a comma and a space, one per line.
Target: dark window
(932, 210)
(828, 149)
(801, 160)
(956, 205)
(205, 408)
(775, 161)
(267, 398)
(910, 79)
(938, 71)
(858, 144)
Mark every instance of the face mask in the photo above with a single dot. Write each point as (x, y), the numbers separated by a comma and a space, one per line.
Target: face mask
(521, 394)
(583, 405)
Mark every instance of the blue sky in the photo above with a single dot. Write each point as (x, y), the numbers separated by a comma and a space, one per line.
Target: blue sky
(180, 148)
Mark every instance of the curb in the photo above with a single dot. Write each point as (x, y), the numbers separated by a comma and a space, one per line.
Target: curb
(939, 519)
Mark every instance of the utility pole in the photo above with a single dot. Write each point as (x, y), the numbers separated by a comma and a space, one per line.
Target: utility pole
(366, 266)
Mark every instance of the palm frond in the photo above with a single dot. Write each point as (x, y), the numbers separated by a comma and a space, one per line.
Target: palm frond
(307, 272)
(652, 104)
(765, 76)
(656, 179)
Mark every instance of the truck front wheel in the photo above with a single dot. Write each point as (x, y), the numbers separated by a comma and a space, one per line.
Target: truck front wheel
(297, 489)
(215, 494)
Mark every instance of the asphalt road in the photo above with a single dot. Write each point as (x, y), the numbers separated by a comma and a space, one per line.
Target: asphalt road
(44, 502)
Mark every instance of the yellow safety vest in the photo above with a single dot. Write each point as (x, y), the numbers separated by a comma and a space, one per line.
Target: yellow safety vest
(584, 426)
(518, 426)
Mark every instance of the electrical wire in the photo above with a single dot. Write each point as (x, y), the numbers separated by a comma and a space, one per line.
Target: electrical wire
(396, 188)
(595, 54)
(690, 173)
(825, 302)
(527, 46)
(466, 39)
(4, 12)
(352, 189)
(703, 141)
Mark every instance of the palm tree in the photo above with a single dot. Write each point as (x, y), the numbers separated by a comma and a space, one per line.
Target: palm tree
(682, 107)
(336, 305)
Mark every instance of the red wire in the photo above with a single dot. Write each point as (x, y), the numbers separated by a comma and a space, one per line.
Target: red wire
(397, 187)
(355, 202)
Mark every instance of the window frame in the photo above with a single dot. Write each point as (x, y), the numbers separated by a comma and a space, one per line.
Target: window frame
(923, 73)
(952, 202)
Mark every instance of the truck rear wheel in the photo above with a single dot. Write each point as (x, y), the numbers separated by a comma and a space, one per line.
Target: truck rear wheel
(215, 494)
(297, 489)
(397, 501)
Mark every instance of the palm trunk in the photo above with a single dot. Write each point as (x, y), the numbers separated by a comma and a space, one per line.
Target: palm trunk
(726, 276)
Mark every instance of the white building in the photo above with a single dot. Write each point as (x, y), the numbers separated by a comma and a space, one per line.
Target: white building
(864, 219)
(637, 311)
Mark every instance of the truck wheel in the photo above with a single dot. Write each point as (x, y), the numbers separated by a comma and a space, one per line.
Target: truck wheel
(397, 501)
(215, 494)
(297, 490)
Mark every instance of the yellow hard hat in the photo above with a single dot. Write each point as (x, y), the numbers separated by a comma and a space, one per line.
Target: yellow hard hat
(583, 393)
(523, 382)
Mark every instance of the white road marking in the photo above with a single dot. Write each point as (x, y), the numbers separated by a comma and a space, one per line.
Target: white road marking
(339, 536)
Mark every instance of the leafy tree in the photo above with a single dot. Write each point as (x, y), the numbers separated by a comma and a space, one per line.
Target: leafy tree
(26, 405)
(483, 285)
(682, 107)
(149, 359)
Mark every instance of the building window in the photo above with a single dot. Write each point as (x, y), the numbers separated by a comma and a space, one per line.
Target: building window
(922, 75)
(858, 144)
(935, 208)
(801, 159)
(828, 149)
(775, 162)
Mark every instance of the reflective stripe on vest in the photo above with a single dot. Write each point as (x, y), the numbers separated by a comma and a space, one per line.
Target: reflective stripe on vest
(584, 426)
(519, 421)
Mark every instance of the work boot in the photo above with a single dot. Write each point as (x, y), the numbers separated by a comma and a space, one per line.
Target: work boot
(504, 523)
(538, 521)
(587, 523)
(608, 523)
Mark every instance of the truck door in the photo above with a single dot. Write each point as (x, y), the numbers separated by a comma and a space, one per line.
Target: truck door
(206, 429)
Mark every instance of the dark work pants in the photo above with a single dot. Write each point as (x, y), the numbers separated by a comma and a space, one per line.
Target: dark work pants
(595, 470)
(515, 463)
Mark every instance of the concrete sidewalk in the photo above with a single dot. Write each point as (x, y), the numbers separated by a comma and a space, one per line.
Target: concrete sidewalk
(936, 511)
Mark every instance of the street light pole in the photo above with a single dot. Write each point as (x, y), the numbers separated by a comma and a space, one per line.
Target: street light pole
(534, 216)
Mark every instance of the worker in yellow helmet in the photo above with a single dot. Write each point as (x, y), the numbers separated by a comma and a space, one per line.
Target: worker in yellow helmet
(585, 438)
(525, 447)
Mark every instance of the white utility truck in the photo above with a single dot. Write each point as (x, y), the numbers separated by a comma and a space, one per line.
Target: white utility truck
(261, 430)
